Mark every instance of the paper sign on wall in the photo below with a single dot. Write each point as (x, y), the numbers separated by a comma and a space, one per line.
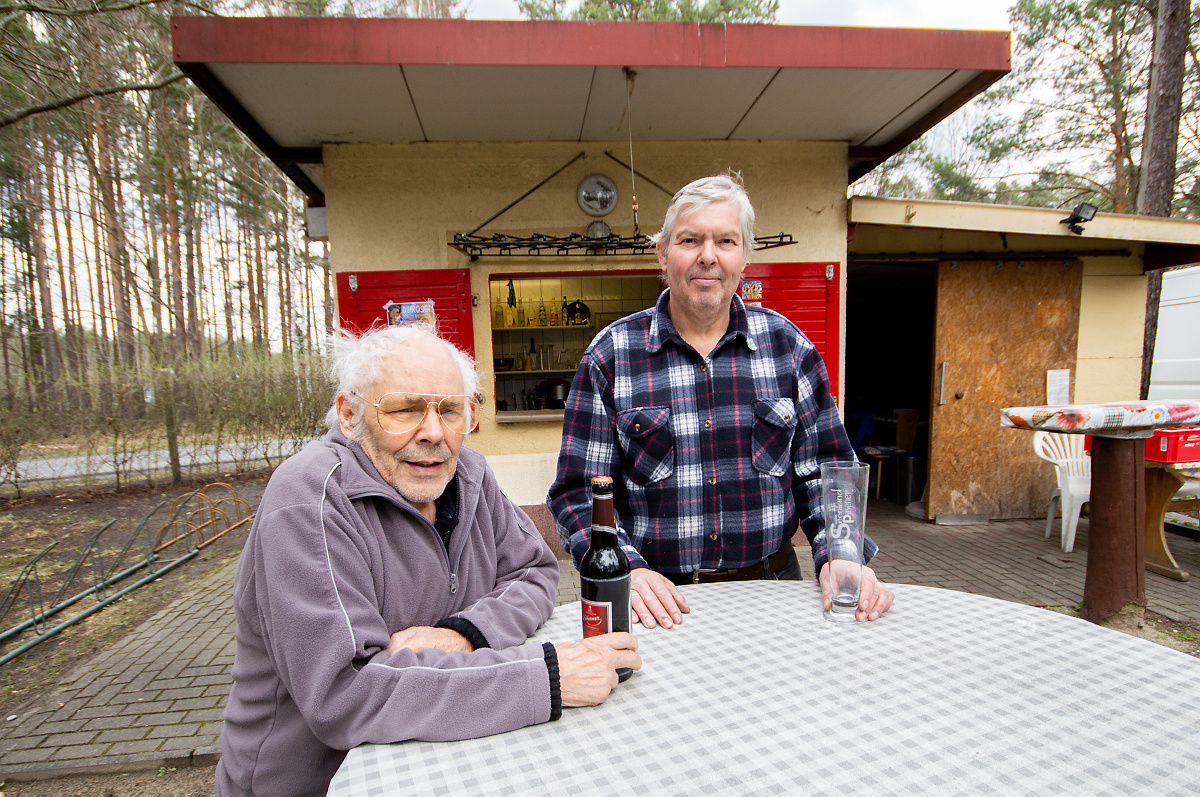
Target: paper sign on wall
(405, 313)
(1058, 387)
(752, 290)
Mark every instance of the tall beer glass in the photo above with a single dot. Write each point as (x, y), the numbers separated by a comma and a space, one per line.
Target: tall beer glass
(844, 504)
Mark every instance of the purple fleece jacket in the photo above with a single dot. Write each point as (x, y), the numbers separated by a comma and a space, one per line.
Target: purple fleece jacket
(335, 563)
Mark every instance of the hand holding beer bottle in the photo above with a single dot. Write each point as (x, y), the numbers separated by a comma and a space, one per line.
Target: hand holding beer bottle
(587, 669)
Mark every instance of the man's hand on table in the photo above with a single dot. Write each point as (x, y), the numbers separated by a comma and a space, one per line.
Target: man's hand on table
(420, 637)
(655, 600)
(587, 670)
(873, 597)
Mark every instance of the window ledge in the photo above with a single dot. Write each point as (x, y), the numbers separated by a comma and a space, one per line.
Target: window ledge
(527, 416)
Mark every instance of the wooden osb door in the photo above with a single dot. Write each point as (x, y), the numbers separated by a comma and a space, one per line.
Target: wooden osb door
(1000, 326)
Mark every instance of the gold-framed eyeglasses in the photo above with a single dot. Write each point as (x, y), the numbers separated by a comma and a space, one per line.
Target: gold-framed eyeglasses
(400, 413)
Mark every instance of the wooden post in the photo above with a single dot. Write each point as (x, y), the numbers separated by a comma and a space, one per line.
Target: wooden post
(1116, 575)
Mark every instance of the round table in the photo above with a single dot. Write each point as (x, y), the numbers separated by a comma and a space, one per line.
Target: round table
(1115, 576)
(756, 692)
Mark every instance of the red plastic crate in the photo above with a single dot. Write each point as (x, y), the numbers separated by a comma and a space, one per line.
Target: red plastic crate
(1174, 445)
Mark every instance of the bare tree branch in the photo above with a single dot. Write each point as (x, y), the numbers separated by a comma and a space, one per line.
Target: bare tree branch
(13, 10)
(65, 102)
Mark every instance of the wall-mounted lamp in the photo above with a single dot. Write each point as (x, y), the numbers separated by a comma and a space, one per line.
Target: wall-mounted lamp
(1082, 212)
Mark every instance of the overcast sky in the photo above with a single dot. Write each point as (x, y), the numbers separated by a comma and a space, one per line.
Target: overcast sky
(964, 14)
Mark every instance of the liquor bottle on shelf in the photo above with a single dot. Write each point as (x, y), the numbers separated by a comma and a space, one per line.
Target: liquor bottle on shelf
(542, 317)
(553, 314)
(565, 314)
(510, 313)
(521, 314)
(604, 580)
(531, 362)
(579, 313)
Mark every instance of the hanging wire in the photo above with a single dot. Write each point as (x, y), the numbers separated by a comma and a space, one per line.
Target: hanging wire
(630, 75)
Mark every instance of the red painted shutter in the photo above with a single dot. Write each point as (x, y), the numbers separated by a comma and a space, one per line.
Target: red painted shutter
(362, 295)
(807, 295)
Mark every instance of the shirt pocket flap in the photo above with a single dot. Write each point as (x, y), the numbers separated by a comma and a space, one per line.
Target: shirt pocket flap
(637, 422)
(779, 412)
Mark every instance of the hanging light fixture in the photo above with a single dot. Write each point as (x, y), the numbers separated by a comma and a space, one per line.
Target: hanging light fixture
(598, 239)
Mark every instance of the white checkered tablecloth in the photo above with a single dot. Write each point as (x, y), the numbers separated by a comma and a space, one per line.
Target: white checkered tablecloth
(755, 692)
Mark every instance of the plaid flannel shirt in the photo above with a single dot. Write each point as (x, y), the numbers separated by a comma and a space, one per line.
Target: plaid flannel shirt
(714, 459)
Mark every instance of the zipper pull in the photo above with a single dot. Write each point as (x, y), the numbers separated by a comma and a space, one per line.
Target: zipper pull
(453, 583)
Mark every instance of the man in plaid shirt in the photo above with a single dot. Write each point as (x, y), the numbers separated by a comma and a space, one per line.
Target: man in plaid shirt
(712, 418)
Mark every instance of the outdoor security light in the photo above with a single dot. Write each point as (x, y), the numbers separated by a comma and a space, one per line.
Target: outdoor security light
(1082, 212)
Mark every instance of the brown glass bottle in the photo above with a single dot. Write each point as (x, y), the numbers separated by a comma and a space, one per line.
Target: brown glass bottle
(604, 583)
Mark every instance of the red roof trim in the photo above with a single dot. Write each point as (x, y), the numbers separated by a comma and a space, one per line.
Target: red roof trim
(324, 40)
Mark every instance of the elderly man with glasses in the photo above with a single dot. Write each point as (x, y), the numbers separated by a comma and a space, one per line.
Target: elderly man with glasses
(388, 586)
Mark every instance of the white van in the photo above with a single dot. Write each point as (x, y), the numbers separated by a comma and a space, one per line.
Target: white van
(1176, 370)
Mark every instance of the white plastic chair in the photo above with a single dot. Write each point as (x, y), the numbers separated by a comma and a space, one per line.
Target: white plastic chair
(1073, 468)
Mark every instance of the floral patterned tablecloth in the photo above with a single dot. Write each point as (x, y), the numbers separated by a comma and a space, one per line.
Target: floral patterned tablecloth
(1118, 419)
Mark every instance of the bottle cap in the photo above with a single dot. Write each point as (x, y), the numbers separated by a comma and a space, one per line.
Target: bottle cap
(602, 485)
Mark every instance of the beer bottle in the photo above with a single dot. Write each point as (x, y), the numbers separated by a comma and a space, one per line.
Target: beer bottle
(604, 583)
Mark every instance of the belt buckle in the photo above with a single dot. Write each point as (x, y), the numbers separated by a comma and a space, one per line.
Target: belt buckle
(696, 573)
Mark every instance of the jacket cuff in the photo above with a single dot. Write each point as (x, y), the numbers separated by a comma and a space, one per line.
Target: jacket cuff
(555, 687)
(870, 548)
(467, 629)
(821, 552)
(635, 558)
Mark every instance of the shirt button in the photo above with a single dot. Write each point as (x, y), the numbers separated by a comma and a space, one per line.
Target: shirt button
(712, 480)
(787, 417)
(712, 536)
(708, 423)
(637, 427)
(704, 368)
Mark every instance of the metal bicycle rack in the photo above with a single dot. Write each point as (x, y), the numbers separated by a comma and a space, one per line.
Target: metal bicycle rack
(195, 521)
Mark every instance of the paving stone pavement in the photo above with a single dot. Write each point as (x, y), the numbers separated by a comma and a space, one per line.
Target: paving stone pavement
(156, 697)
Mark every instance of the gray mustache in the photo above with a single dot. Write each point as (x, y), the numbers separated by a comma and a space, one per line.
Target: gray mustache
(422, 453)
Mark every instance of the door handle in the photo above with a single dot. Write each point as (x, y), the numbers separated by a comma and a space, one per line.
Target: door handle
(942, 389)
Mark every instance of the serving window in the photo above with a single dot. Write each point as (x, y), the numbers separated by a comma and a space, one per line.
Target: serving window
(541, 326)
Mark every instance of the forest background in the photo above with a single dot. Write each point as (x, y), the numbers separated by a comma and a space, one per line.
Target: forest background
(157, 290)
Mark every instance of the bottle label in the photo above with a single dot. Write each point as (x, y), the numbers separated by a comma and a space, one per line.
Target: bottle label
(597, 618)
(602, 616)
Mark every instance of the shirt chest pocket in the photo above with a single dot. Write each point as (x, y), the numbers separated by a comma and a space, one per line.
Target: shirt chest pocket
(774, 426)
(647, 446)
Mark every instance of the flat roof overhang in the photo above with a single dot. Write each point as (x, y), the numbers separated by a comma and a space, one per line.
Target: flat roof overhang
(1023, 231)
(292, 84)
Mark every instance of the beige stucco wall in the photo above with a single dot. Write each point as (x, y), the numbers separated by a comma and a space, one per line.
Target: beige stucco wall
(1112, 318)
(395, 206)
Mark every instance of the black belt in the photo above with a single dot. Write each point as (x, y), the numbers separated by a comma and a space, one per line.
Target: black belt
(775, 562)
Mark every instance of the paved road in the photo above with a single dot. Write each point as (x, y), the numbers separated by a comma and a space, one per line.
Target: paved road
(102, 466)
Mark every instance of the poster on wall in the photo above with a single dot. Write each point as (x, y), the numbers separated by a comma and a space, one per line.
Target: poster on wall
(752, 292)
(407, 313)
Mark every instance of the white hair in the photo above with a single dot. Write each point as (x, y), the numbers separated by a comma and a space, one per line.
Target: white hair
(357, 363)
(708, 191)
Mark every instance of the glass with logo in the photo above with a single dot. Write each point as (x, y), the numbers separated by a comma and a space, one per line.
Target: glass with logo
(844, 505)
